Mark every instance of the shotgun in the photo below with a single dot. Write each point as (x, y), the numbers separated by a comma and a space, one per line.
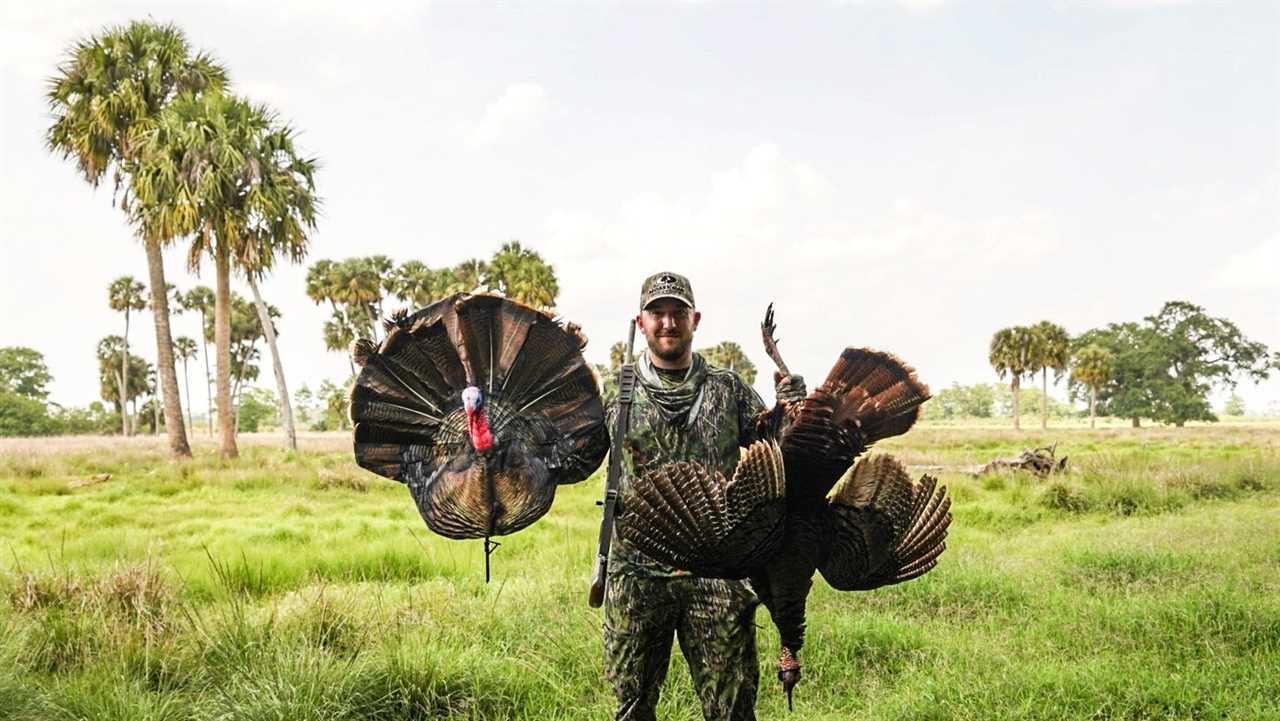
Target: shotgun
(626, 389)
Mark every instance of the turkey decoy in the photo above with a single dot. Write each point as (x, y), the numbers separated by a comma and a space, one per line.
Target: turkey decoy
(481, 406)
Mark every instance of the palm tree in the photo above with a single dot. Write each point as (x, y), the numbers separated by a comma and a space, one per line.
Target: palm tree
(339, 334)
(617, 355)
(111, 376)
(125, 294)
(276, 225)
(1092, 366)
(415, 283)
(382, 266)
(107, 86)
(155, 404)
(320, 282)
(200, 176)
(185, 349)
(1012, 352)
(521, 274)
(200, 298)
(245, 332)
(357, 284)
(1052, 349)
(466, 277)
(254, 201)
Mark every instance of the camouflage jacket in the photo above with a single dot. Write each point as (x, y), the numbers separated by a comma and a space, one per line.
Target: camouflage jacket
(724, 422)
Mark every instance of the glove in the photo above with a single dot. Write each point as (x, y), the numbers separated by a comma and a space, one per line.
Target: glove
(789, 389)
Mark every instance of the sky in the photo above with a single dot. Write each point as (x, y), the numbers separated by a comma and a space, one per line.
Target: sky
(909, 176)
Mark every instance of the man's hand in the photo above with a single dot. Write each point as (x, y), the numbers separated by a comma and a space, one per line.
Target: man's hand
(789, 388)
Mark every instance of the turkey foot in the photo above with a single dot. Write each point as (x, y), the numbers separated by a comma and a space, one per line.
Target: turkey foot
(767, 328)
(788, 673)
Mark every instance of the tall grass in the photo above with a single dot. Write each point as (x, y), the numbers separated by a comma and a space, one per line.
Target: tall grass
(1144, 584)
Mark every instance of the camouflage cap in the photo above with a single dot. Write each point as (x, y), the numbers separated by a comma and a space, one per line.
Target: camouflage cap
(666, 285)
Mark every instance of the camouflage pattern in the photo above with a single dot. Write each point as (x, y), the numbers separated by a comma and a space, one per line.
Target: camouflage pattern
(725, 422)
(646, 602)
(714, 621)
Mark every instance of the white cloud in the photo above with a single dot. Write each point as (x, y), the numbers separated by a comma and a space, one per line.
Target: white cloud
(915, 6)
(1137, 4)
(768, 201)
(1254, 267)
(517, 112)
(772, 228)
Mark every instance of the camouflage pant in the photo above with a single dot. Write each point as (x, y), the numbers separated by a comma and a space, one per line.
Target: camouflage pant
(714, 621)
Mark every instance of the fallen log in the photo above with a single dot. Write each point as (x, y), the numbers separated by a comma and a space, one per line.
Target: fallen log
(1038, 461)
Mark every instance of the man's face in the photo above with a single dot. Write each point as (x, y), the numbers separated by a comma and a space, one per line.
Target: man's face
(668, 326)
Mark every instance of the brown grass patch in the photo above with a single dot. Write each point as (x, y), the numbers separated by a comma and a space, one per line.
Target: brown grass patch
(134, 592)
(331, 478)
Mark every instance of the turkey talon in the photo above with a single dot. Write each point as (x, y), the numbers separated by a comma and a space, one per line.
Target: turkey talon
(767, 329)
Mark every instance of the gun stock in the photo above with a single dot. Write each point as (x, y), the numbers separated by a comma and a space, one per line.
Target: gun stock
(626, 389)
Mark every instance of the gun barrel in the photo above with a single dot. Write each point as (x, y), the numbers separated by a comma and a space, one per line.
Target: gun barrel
(626, 387)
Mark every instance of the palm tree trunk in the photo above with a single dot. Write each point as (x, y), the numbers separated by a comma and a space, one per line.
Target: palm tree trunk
(286, 409)
(1016, 388)
(124, 378)
(222, 344)
(186, 381)
(1044, 398)
(235, 404)
(373, 322)
(208, 377)
(155, 415)
(1093, 403)
(173, 425)
(120, 403)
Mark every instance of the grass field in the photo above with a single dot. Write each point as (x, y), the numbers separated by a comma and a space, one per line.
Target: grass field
(1145, 584)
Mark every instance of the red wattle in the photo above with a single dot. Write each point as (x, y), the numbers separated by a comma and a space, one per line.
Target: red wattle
(478, 425)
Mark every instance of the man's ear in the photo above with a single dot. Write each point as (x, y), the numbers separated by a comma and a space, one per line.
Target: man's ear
(696, 317)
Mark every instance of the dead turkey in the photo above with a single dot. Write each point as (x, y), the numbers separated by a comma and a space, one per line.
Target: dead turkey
(795, 505)
(481, 406)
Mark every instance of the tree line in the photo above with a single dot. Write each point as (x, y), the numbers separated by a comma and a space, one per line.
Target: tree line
(193, 163)
(122, 374)
(1161, 368)
(358, 289)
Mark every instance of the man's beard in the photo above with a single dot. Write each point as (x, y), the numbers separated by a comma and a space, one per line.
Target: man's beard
(672, 353)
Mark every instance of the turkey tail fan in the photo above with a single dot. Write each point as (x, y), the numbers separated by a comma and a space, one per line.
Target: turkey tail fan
(877, 392)
(534, 365)
(883, 528)
(686, 515)
(540, 399)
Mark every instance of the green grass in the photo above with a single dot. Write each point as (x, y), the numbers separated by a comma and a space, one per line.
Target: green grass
(1144, 584)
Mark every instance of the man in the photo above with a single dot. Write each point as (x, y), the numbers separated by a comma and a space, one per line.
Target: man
(683, 410)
